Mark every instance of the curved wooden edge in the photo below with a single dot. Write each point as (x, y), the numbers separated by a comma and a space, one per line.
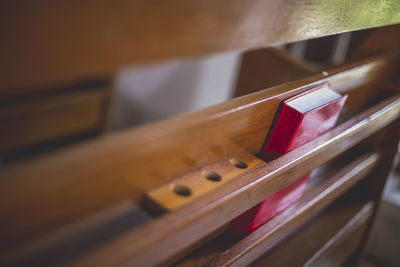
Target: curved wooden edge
(80, 39)
(357, 224)
(166, 198)
(336, 233)
(380, 40)
(154, 243)
(264, 68)
(127, 165)
(264, 238)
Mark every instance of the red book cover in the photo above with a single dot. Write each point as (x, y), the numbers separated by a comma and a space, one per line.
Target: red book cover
(301, 119)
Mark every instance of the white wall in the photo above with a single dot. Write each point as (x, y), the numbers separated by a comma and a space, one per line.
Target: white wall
(159, 91)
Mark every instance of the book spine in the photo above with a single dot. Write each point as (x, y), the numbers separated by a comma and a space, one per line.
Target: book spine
(291, 130)
(288, 121)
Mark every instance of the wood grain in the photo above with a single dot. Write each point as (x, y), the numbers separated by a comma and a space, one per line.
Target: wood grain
(318, 198)
(127, 165)
(52, 117)
(326, 177)
(264, 68)
(55, 247)
(374, 184)
(320, 236)
(341, 246)
(47, 42)
(200, 218)
(168, 197)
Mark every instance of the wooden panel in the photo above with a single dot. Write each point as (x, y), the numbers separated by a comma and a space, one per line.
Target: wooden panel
(188, 188)
(340, 247)
(57, 243)
(375, 183)
(318, 238)
(84, 38)
(318, 198)
(56, 248)
(192, 222)
(52, 117)
(264, 68)
(126, 165)
(326, 183)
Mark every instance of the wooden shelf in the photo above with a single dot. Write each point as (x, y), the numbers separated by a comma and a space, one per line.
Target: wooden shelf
(317, 241)
(80, 237)
(205, 215)
(116, 36)
(91, 204)
(69, 176)
(327, 183)
(110, 177)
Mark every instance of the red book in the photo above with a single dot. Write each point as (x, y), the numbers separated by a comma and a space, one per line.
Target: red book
(301, 119)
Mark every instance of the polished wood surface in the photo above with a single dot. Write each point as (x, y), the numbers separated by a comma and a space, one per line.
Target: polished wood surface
(264, 68)
(108, 169)
(183, 166)
(318, 197)
(46, 42)
(220, 206)
(342, 246)
(188, 188)
(312, 243)
(165, 193)
(374, 184)
(327, 183)
(53, 117)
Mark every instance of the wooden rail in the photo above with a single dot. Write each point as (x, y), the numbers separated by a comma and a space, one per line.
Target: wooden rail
(80, 39)
(341, 222)
(44, 195)
(194, 221)
(264, 238)
(93, 197)
(125, 166)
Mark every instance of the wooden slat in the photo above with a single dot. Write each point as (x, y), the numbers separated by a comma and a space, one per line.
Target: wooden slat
(82, 38)
(322, 178)
(52, 117)
(200, 182)
(340, 247)
(267, 236)
(55, 248)
(195, 220)
(375, 184)
(320, 236)
(267, 67)
(127, 165)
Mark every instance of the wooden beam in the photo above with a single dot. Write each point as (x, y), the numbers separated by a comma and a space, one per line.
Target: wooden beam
(125, 166)
(159, 243)
(46, 42)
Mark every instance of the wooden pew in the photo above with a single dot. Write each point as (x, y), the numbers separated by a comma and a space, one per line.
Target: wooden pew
(87, 204)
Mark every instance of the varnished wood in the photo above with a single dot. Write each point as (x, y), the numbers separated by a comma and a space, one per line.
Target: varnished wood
(206, 214)
(264, 68)
(91, 226)
(341, 246)
(50, 204)
(328, 178)
(318, 238)
(52, 117)
(79, 39)
(168, 197)
(127, 165)
(378, 41)
(318, 198)
(374, 185)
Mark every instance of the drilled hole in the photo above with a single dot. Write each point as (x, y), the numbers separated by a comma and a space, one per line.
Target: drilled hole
(212, 176)
(238, 163)
(182, 190)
